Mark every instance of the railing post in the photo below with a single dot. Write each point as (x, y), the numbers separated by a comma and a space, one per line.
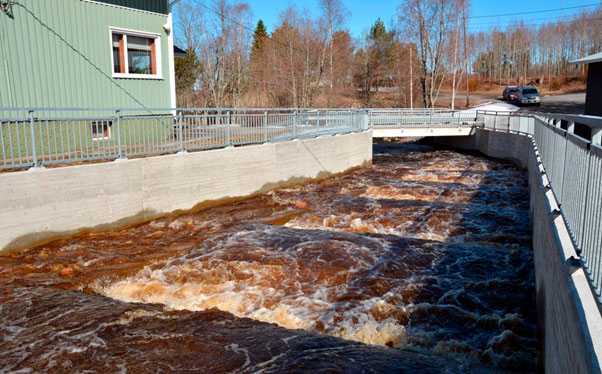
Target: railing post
(229, 120)
(431, 117)
(265, 126)
(118, 129)
(295, 125)
(585, 202)
(318, 121)
(571, 127)
(180, 132)
(34, 152)
(597, 136)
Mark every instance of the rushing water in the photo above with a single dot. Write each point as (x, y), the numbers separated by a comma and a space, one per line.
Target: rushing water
(420, 264)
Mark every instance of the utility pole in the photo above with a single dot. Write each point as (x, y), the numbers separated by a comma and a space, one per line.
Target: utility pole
(411, 77)
(457, 36)
(466, 54)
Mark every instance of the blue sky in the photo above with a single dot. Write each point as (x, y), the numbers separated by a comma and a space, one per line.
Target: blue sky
(364, 13)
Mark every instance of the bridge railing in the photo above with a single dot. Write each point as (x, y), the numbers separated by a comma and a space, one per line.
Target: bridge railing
(573, 164)
(420, 118)
(33, 137)
(506, 121)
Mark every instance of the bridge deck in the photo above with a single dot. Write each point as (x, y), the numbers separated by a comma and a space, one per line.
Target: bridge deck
(420, 132)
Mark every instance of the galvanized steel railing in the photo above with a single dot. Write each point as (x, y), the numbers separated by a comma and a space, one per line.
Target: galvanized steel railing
(39, 137)
(46, 136)
(573, 166)
(420, 118)
(519, 122)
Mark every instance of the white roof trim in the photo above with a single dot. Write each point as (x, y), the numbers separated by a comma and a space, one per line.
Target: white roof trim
(589, 59)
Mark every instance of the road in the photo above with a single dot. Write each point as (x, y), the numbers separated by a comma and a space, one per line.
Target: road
(573, 103)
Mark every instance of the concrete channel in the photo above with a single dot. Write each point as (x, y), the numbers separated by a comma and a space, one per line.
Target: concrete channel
(40, 205)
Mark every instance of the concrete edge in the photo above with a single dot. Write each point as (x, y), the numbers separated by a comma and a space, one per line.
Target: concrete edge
(144, 214)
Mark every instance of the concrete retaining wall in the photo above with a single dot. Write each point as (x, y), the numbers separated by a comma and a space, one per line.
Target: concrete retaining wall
(43, 204)
(569, 321)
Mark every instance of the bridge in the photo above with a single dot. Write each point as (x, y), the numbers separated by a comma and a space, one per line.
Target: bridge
(563, 154)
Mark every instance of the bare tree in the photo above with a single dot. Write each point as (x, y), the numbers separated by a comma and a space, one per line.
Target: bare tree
(309, 60)
(223, 51)
(335, 13)
(426, 23)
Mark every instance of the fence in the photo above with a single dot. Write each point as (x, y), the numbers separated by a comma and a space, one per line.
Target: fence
(518, 122)
(47, 139)
(420, 118)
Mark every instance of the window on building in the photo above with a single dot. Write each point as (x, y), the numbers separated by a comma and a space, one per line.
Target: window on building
(101, 130)
(135, 55)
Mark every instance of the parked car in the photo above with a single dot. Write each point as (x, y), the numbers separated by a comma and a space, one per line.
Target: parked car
(528, 95)
(510, 93)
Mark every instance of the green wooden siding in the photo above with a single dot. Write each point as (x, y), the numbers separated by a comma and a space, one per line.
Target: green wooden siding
(57, 53)
(157, 6)
(59, 140)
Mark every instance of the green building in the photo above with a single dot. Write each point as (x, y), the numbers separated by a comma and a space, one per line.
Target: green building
(86, 54)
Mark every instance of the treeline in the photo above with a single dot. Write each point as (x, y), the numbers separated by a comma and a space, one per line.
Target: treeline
(313, 61)
(525, 53)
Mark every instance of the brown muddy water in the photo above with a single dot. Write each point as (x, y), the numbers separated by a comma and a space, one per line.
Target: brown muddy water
(421, 264)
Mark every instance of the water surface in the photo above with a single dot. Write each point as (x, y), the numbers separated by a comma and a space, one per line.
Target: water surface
(420, 264)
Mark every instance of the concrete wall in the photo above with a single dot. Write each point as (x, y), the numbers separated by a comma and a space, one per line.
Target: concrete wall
(420, 132)
(569, 321)
(43, 204)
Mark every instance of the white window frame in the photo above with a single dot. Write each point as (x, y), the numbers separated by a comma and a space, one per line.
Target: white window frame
(109, 124)
(141, 34)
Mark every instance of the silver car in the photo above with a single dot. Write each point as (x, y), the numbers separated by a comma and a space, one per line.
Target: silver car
(528, 95)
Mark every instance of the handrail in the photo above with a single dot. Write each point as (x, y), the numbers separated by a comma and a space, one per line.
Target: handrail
(590, 121)
(90, 109)
(37, 140)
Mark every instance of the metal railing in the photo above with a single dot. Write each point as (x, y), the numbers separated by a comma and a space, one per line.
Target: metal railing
(34, 137)
(518, 122)
(420, 118)
(573, 166)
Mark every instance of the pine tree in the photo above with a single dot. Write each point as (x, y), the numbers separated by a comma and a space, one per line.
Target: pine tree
(259, 37)
(378, 31)
(188, 70)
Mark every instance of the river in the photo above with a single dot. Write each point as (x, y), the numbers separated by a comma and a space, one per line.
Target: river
(420, 264)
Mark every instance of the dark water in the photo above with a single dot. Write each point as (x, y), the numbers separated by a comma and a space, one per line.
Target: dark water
(421, 264)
